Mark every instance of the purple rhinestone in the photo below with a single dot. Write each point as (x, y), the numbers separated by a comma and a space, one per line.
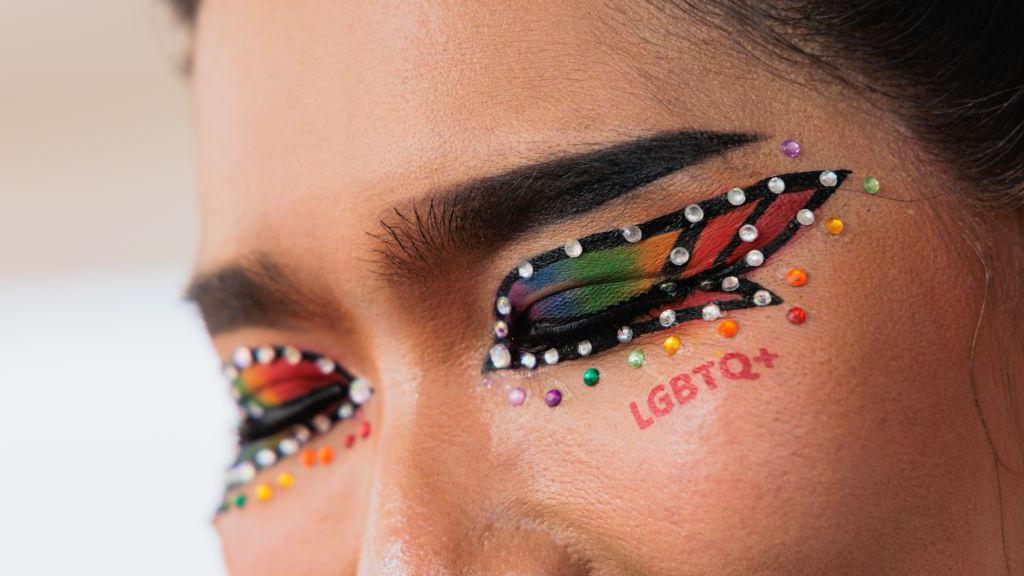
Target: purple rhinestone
(553, 398)
(791, 148)
(517, 396)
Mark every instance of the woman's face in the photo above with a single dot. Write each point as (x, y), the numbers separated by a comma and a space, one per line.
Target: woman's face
(372, 172)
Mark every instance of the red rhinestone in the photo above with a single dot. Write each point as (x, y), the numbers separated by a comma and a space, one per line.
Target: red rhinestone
(350, 440)
(796, 315)
(364, 429)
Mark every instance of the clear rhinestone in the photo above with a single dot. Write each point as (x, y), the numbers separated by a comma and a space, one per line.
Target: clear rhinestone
(525, 270)
(828, 178)
(503, 305)
(693, 213)
(667, 318)
(265, 354)
(748, 232)
(242, 358)
(321, 423)
(762, 297)
(754, 258)
(736, 196)
(292, 355)
(500, 357)
(288, 446)
(265, 457)
(632, 234)
(668, 287)
(776, 185)
(625, 334)
(302, 434)
(230, 372)
(359, 391)
(345, 411)
(585, 348)
(528, 360)
(254, 410)
(805, 217)
(679, 256)
(711, 312)
(730, 283)
(326, 365)
(551, 356)
(245, 471)
(500, 329)
(573, 249)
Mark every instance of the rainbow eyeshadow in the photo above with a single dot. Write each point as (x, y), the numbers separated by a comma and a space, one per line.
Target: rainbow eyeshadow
(603, 290)
(285, 397)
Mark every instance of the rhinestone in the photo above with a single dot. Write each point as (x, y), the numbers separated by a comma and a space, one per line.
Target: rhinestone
(736, 196)
(500, 329)
(551, 356)
(345, 411)
(679, 256)
(326, 365)
(791, 148)
(632, 234)
(828, 178)
(504, 306)
(230, 372)
(242, 358)
(528, 360)
(500, 357)
(302, 434)
(636, 358)
(553, 398)
(288, 446)
(748, 233)
(359, 391)
(585, 348)
(625, 334)
(754, 258)
(245, 471)
(805, 217)
(667, 318)
(669, 287)
(254, 410)
(265, 457)
(871, 185)
(693, 213)
(730, 283)
(762, 297)
(573, 249)
(672, 344)
(517, 396)
(711, 312)
(265, 354)
(525, 270)
(776, 185)
(321, 423)
(292, 355)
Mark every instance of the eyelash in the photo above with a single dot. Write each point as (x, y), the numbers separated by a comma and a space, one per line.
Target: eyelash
(637, 262)
(285, 397)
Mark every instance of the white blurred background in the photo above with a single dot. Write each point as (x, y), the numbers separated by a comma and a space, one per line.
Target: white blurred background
(115, 423)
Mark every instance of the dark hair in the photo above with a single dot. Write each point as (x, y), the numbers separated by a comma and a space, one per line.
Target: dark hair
(952, 71)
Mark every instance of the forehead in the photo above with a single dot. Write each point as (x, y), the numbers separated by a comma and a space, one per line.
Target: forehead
(324, 112)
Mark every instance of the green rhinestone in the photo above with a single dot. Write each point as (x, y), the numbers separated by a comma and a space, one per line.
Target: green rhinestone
(871, 185)
(591, 376)
(240, 501)
(636, 358)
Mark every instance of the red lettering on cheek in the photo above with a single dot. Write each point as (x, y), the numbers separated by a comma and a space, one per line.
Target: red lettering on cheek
(683, 389)
(746, 371)
(641, 422)
(659, 401)
(765, 357)
(704, 371)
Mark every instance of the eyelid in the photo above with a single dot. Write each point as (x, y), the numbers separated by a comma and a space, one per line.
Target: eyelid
(709, 236)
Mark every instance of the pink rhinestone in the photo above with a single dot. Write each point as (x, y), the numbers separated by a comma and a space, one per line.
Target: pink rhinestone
(791, 148)
(517, 396)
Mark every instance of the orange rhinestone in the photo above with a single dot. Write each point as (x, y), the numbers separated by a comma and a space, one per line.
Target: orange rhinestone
(325, 455)
(307, 457)
(672, 344)
(728, 328)
(796, 277)
(834, 226)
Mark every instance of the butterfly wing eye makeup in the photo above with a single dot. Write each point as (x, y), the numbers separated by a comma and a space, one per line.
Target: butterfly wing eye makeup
(285, 397)
(603, 290)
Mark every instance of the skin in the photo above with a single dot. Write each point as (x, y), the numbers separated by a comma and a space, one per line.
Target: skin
(862, 451)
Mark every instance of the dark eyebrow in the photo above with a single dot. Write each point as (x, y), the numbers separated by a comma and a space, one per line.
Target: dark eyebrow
(496, 209)
(254, 292)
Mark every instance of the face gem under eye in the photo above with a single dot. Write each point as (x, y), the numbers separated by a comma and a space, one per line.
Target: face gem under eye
(573, 249)
(777, 185)
(504, 306)
(326, 365)
(528, 360)
(625, 334)
(500, 356)
(679, 256)
(711, 312)
(730, 283)
(265, 354)
(632, 234)
(828, 178)
(525, 270)
(754, 258)
(551, 356)
(292, 355)
(805, 217)
(736, 196)
(748, 233)
(667, 318)
(242, 358)
(584, 348)
(360, 391)
(762, 297)
(694, 213)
